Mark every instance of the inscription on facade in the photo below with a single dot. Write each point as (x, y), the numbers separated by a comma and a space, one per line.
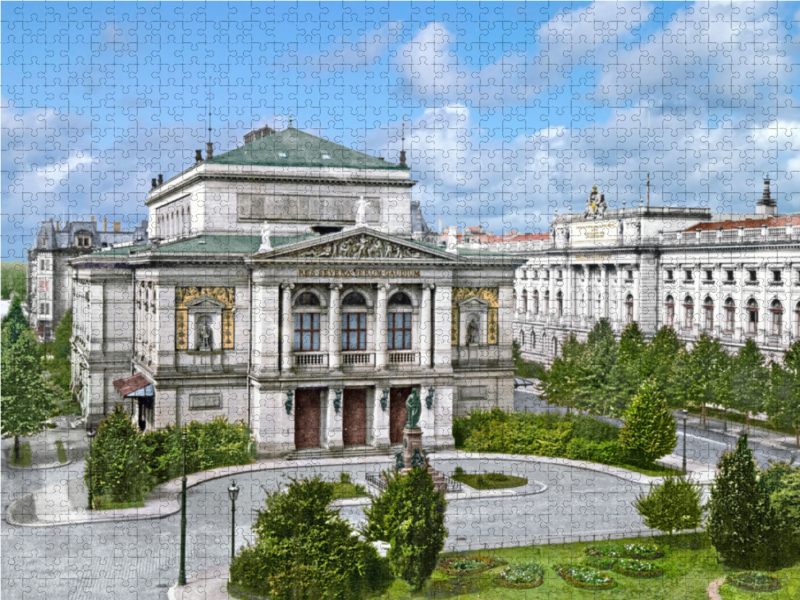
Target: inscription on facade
(599, 232)
(357, 273)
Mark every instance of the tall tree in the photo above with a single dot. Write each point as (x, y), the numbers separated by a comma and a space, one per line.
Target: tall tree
(659, 357)
(560, 381)
(782, 403)
(749, 379)
(697, 372)
(15, 322)
(648, 432)
(28, 398)
(626, 376)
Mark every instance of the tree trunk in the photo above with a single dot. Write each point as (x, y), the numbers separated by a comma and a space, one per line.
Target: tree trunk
(747, 421)
(16, 449)
(725, 424)
(704, 414)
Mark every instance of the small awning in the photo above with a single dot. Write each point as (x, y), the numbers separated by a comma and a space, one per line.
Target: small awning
(128, 386)
(523, 382)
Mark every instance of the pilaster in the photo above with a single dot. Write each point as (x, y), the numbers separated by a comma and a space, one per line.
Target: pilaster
(334, 437)
(442, 325)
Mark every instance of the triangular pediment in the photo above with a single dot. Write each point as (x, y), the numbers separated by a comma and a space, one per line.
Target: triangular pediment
(361, 244)
(473, 302)
(204, 303)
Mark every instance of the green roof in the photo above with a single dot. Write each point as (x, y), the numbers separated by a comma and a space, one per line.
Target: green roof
(465, 251)
(222, 244)
(291, 147)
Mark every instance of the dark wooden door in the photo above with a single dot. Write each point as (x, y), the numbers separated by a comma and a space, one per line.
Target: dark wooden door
(354, 417)
(397, 413)
(306, 418)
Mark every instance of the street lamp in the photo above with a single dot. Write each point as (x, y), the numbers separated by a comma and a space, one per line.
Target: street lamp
(91, 433)
(233, 492)
(182, 573)
(684, 440)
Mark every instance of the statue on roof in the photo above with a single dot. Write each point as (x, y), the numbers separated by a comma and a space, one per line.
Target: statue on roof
(361, 211)
(266, 234)
(596, 205)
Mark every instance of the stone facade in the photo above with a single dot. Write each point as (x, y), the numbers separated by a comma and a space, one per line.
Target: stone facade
(311, 341)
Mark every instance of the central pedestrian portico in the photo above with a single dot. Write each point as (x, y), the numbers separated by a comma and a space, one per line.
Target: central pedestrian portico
(364, 319)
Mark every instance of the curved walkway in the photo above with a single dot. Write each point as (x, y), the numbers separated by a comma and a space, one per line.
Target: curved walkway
(65, 503)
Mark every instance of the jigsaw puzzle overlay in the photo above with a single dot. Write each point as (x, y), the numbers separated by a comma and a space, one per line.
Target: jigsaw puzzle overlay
(524, 277)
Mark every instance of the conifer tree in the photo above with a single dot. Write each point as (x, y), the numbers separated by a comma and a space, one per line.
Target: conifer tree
(648, 432)
(749, 379)
(659, 357)
(673, 505)
(627, 374)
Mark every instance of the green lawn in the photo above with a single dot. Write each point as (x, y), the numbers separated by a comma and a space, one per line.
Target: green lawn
(24, 455)
(653, 470)
(342, 491)
(62, 454)
(490, 481)
(790, 588)
(108, 505)
(689, 567)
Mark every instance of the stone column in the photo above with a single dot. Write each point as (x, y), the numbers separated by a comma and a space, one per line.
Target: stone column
(334, 329)
(287, 329)
(265, 326)
(587, 303)
(381, 317)
(741, 304)
(334, 439)
(637, 292)
(425, 330)
(698, 301)
(427, 417)
(443, 417)
(442, 337)
(380, 418)
(620, 308)
(603, 292)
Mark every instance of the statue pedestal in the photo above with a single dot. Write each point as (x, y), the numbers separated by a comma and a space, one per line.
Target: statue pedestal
(412, 439)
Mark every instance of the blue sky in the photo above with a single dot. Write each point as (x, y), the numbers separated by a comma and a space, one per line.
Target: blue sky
(514, 110)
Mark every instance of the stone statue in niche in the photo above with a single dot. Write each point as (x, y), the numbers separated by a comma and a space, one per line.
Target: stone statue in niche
(204, 341)
(473, 332)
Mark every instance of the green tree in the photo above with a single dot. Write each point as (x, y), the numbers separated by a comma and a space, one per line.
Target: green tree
(696, 373)
(306, 551)
(782, 403)
(13, 280)
(659, 357)
(118, 469)
(749, 379)
(648, 432)
(560, 382)
(28, 398)
(627, 371)
(673, 505)
(409, 515)
(746, 530)
(16, 323)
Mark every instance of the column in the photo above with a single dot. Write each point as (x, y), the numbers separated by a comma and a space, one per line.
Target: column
(334, 329)
(443, 418)
(380, 418)
(334, 439)
(425, 331)
(266, 319)
(551, 286)
(441, 325)
(741, 307)
(603, 292)
(287, 327)
(765, 312)
(698, 300)
(637, 292)
(568, 295)
(620, 317)
(427, 417)
(381, 317)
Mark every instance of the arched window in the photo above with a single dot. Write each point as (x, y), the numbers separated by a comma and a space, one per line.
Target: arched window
(777, 317)
(522, 339)
(708, 313)
(354, 299)
(629, 308)
(525, 301)
(536, 302)
(752, 316)
(688, 312)
(547, 302)
(730, 312)
(669, 317)
(306, 324)
(560, 304)
(399, 325)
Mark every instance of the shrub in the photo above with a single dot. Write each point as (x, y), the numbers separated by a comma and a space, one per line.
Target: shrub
(584, 577)
(746, 530)
(593, 430)
(673, 505)
(634, 550)
(466, 565)
(409, 515)
(304, 550)
(604, 563)
(344, 477)
(649, 429)
(459, 471)
(754, 581)
(118, 470)
(524, 575)
(637, 568)
(608, 453)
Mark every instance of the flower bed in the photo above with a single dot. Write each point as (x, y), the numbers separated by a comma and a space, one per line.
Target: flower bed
(584, 577)
(604, 563)
(522, 576)
(754, 581)
(637, 568)
(640, 551)
(460, 566)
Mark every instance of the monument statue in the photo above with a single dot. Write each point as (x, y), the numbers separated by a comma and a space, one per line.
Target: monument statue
(473, 332)
(204, 336)
(361, 212)
(413, 409)
(266, 234)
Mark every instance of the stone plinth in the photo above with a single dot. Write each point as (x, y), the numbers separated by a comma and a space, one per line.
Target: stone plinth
(412, 440)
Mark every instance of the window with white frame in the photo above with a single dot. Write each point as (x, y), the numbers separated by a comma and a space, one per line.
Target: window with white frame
(688, 312)
(669, 317)
(752, 316)
(730, 315)
(777, 317)
(708, 313)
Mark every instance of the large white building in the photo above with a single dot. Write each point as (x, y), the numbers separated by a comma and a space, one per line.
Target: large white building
(285, 285)
(732, 276)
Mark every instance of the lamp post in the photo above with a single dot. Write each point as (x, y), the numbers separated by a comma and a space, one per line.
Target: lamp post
(684, 440)
(233, 492)
(182, 573)
(91, 433)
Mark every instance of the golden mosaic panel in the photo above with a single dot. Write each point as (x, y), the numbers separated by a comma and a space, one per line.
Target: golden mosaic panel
(490, 295)
(183, 295)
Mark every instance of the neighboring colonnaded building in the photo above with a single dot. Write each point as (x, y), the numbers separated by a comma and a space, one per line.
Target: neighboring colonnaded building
(732, 276)
(49, 273)
(286, 285)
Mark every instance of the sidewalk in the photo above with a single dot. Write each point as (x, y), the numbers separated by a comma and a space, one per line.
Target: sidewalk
(209, 584)
(44, 454)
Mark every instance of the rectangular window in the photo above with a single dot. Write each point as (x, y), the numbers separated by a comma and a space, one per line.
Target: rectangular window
(709, 317)
(729, 275)
(306, 332)
(729, 312)
(669, 274)
(630, 274)
(776, 276)
(777, 322)
(670, 314)
(354, 331)
(688, 274)
(560, 274)
(752, 275)
(709, 275)
(399, 331)
(688, 317)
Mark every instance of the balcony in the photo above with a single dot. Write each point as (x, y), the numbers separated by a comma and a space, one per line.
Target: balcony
(310, 360)
(481, 356)
(403, 358)
(351, 360)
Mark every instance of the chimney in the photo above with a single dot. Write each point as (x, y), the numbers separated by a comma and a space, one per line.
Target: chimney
(105, 227)
(160, 179)
(58, 225)
(209, 150)
(117, 226)
(153, 184)
(92, 218)
(198, 156)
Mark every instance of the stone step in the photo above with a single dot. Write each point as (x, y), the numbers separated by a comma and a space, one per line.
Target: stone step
(347, 452)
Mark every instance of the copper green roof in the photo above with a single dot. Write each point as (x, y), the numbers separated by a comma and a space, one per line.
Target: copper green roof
(294, 148)
(221, 244)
